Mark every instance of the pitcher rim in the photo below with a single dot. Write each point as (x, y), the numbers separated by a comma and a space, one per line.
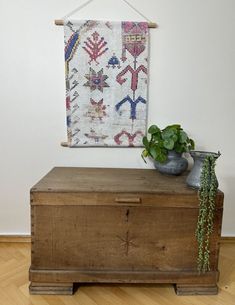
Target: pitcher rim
(202, 154)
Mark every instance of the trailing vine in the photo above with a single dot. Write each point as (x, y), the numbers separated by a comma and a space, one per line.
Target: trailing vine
(207, 195)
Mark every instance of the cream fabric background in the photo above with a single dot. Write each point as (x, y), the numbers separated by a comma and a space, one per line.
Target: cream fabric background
(82, 128)
(192, 77)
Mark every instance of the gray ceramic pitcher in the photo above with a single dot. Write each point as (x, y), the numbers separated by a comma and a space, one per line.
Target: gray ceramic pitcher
(193, 179)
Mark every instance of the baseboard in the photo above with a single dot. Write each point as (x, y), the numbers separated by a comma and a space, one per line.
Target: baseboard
(27, 239)
(15, 238)
(227, 240)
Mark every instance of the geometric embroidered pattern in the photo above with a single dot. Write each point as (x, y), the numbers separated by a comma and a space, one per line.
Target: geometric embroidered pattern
(95, 47)
(106, 82)
(96, 80)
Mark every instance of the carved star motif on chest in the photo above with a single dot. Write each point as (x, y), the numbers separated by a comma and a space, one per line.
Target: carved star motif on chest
(127, 242)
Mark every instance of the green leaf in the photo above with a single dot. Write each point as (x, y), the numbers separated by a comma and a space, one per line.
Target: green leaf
(153, 152)
(177, 126)
(161, 157)
(179, 148)
(183, 136)
(167, 133)
(160, 144)
(175, 138)
(192, 145)
(145, 153)
(145, 142)
(156, 137)
(169, 144)
(153, 129)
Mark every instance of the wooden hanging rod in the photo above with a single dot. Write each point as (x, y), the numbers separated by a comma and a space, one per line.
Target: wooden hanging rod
(64, 144)
(151, 25)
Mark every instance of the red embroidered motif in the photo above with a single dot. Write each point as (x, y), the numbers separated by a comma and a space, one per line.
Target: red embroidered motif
(133, 38)
(130, 137)
(96, 110)
(134, 76)
(95, 47)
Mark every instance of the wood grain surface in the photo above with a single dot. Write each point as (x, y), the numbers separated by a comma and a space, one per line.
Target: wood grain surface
(111, 180)
(117, 225)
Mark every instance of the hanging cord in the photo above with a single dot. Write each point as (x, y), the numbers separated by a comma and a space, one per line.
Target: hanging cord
(80, 7)
(89, 1)
(136, 10)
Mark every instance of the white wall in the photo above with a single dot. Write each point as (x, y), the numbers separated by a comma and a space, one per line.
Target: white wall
(192, 82)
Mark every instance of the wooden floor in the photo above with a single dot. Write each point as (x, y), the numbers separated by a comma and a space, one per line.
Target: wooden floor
(14, 264)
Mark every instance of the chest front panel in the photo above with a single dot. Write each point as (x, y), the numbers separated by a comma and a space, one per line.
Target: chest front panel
(96, 237)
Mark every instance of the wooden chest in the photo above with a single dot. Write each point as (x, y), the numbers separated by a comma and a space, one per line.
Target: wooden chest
(117, 226)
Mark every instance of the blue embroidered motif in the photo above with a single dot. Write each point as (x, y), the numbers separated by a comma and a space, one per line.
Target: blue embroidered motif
(71, 46)
(113, 62)
(133, 105)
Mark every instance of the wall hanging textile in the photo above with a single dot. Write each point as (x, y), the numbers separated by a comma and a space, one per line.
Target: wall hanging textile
(106, 66)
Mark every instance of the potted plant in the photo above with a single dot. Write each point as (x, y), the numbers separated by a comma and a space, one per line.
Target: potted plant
(166, 146)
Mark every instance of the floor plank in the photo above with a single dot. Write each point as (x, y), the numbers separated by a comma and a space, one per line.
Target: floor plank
(15, 261)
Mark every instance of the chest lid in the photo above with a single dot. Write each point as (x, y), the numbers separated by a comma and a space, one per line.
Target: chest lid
(75, 179)
(115, 185)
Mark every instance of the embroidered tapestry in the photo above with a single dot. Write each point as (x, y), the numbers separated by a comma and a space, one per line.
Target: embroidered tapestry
(106, 82)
